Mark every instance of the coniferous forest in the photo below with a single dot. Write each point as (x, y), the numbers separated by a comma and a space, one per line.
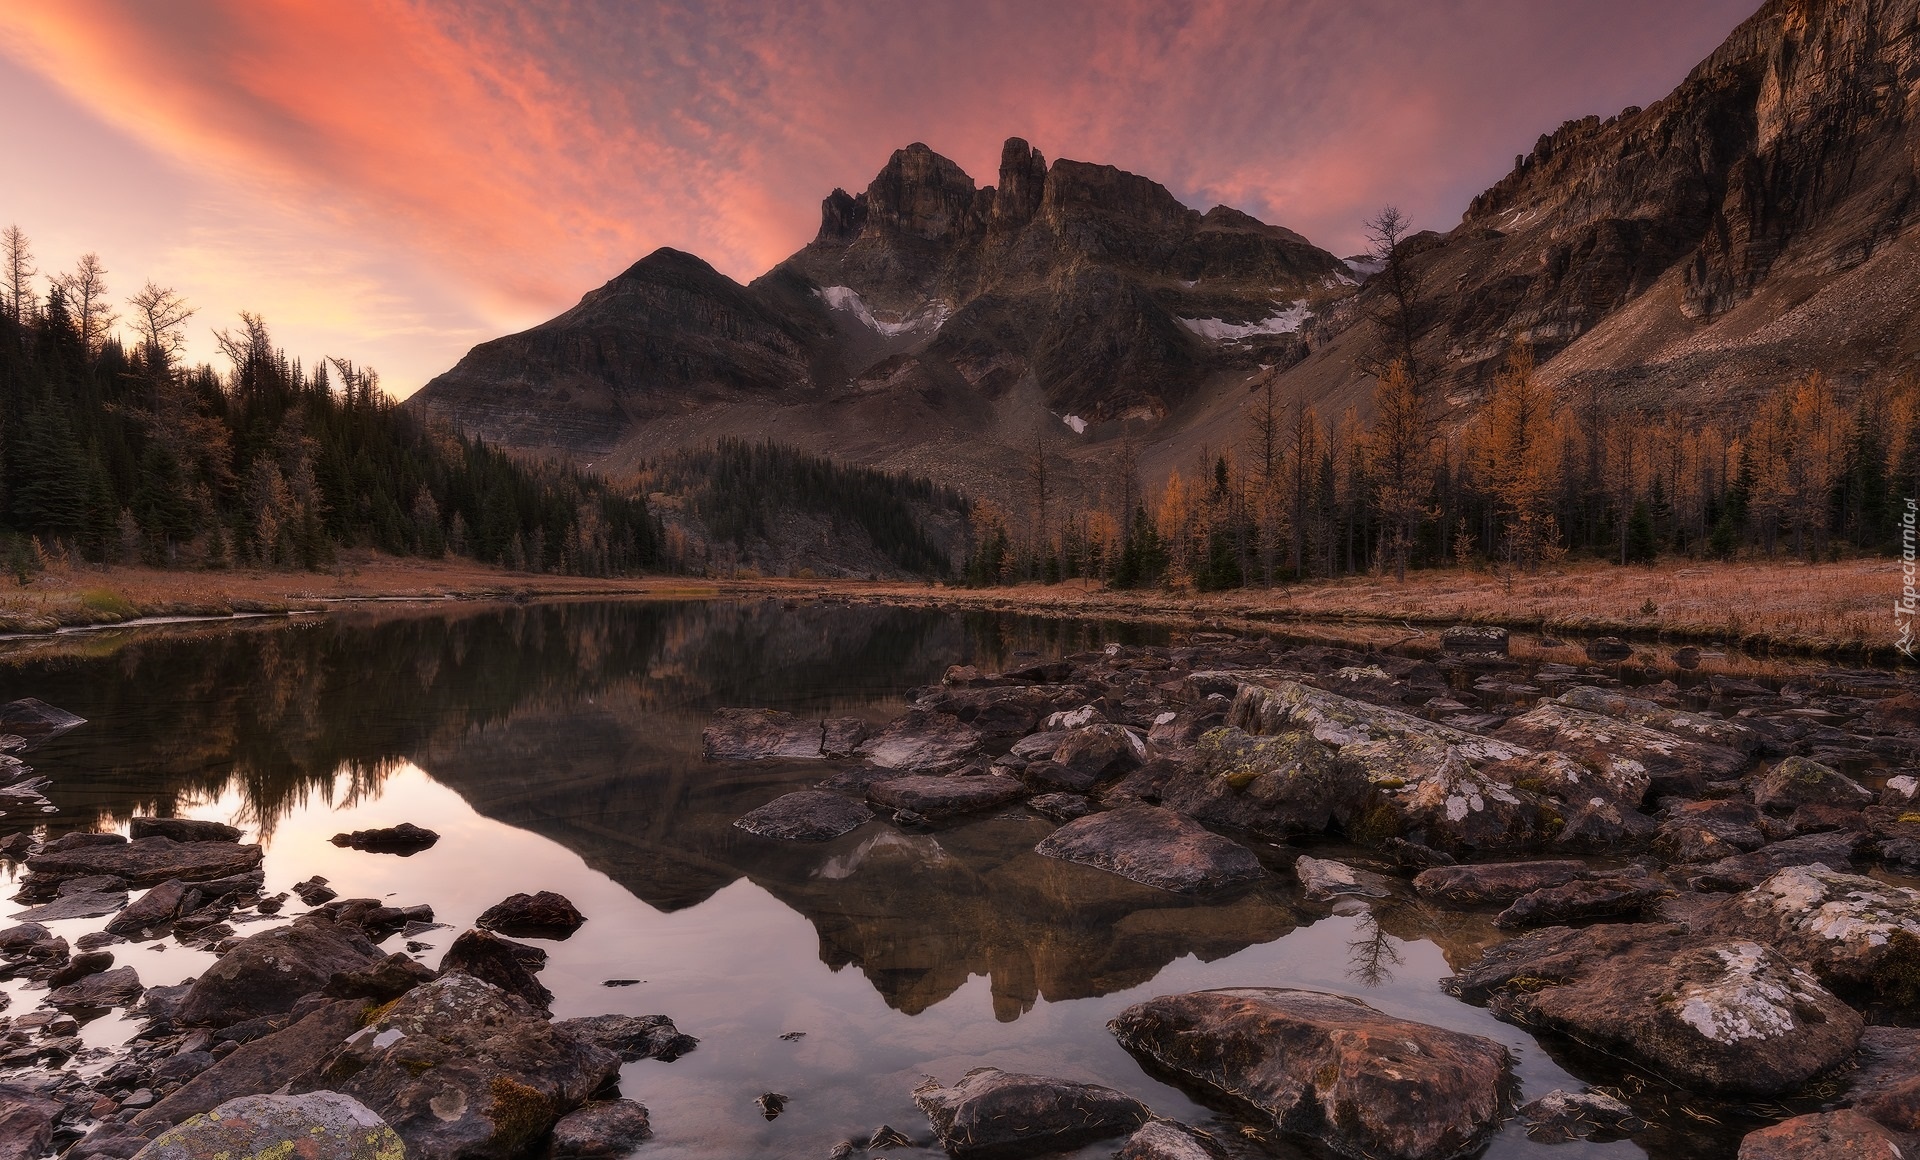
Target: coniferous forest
(117, 452)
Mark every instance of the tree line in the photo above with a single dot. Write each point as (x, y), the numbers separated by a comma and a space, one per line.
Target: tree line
(1529, 479)
(115, 452)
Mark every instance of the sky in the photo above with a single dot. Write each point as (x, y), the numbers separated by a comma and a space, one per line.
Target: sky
(392, 181)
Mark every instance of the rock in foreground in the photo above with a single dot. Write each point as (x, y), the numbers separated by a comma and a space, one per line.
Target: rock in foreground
(998, 1115)
(1842, 1135)
(268, 972)
(1156, 847)
(316, 1126)
(1327, 1066)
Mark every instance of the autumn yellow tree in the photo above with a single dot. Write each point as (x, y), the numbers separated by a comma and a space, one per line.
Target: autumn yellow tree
(1400, 457)
(1519, 452)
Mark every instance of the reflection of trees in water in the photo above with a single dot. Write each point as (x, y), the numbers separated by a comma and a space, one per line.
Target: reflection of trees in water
(280, 711)
(1371, 955)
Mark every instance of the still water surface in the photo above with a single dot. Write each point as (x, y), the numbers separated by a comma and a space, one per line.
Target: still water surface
(556, 747)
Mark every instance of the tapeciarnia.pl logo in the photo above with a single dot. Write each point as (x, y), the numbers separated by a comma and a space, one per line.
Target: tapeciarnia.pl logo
(1909, 602)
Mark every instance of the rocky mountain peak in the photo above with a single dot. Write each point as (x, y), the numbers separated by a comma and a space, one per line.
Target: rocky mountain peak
(1023, 181)
(842, 217)
(921, 194)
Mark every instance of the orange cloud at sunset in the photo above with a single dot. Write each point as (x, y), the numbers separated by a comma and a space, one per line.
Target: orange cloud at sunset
(400, 179)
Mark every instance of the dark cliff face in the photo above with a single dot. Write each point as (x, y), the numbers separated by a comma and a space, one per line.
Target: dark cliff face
(1646, 242)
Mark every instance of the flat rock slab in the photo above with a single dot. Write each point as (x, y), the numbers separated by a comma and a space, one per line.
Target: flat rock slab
(1611, 896)
(808, 815)
(1744, 871)
(761, 735)
(1327, 1066)
(999, 1115)
(1323, 880)
(182, 830)
(147, 862)
(1727, 1015)
(1492, 883)
(923, 742)
(935, 798)
(81, 904)
(326, 1126)
(1156, 847)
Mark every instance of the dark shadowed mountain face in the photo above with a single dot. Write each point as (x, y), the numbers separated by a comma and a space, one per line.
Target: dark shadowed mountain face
(1756, 224)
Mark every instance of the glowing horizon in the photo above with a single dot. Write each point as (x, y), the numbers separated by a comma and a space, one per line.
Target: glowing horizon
(395, 182)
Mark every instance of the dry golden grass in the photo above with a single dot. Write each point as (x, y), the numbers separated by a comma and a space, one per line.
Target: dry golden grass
(1841, 610)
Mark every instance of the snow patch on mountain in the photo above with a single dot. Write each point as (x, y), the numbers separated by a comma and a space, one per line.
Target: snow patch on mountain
(926, 320)
(1286, 322)
(1078, 424)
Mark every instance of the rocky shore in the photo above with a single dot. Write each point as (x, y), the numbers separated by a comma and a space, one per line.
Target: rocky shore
(1702, 885)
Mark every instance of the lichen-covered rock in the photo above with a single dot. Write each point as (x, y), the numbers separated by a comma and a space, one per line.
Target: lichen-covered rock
(266, 973)
(464, 1071)
(1291, 707)
(1154, 846)
(1857, 933)
(1613, 703)
(999, 1115)
(607, 1130)
(1327, 1066)
(1795, 781)
(1430, 792)
(923, 741)
(316, 1126)
(1599, 806)
(938, 798)
(759, 735)
(1102, 750)
(1470, 640)
(1723, 1015)
(808, 815)
(1273, 787)
(1673, 763)
(1841, 1135)
(1492, 882)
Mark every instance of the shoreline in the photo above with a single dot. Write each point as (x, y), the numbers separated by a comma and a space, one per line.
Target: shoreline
(1835, 612)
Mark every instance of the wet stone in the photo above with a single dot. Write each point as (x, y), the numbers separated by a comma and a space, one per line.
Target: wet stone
(1494, 882)
(633, 1037)
(1562, 1115)
(607, 1130)
(938, 798)
(405, 839)
(541, 915)
(1323, 880)
(1841, 1135)
(1156, 847)
(997, 1115)
(809, 815)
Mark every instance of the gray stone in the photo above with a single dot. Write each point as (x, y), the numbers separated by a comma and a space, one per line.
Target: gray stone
(1156, 847)
(327, 1126)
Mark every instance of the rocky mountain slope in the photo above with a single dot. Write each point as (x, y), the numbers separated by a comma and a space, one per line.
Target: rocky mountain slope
(1754, 225)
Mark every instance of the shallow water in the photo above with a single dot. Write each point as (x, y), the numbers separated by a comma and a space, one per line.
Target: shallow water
(556, 747)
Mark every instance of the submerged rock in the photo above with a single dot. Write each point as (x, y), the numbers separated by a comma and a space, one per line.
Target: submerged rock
(607, 1130)
(937, 798)
(759, 735)
(1327, 1066)
(633, 1037)
(542, 915)
(1155, 847)
(1723, 1015)
(998, 1115)
(326, 1126)
(1168, 1140)
(1479, 885)
(464, 1071)
(808, 815)
(1563, 1115)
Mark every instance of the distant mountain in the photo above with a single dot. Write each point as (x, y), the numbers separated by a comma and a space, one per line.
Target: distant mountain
(929, 319)
(1753, 226)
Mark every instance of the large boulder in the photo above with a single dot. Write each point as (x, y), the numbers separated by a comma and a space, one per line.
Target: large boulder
(464, 1071)
(316, 1126)
(26, 1122)
(142, 863)
(1327, 1066)
(937, 798)
(923, 741)
(501, 962)
(1858, 934)
(266, 973)
(1154, 846)
(1727, 1016)
(1674, 763)
(808, 815)
(998, 1115)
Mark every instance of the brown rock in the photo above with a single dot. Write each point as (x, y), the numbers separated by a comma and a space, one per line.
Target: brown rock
(1842, 1135)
